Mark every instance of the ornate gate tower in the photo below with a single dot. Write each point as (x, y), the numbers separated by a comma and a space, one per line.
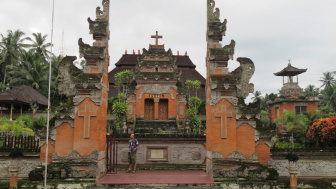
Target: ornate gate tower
(80, 126)
(231, 135)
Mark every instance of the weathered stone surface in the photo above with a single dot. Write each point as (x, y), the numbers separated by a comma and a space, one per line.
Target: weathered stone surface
(307, 168)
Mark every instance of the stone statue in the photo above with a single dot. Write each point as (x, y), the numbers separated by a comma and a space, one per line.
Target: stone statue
(105, 3)
(230, 48)
(222, 27)
(99, 12)
(211, 8)
(216, 14)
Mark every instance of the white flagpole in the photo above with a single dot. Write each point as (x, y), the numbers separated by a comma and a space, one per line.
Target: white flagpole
(48, 117)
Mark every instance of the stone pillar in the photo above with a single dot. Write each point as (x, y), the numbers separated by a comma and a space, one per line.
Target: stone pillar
(14, 167)
(14, 172)
(293, 171)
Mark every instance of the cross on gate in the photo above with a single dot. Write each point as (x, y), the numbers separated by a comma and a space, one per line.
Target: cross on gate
(157, 37)
(223, 114)
(87, 113)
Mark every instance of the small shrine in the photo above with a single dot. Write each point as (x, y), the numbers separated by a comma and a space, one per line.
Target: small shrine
(291, 98)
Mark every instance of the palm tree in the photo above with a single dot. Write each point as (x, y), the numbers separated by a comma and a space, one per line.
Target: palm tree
(39, 44)
(328, 79)
(311, 91)
(32, 72)
(11, 47)
(256, 96)
(55, 61)
(329, 97)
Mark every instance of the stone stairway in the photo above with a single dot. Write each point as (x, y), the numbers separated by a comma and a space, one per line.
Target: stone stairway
(158, 127)
(158, 186)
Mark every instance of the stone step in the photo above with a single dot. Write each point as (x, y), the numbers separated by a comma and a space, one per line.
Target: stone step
(166, 127)
(157, 186)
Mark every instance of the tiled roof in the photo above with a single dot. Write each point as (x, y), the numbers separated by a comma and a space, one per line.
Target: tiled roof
(290, 71)
(129, 61)
(23, 94)
(132, 60)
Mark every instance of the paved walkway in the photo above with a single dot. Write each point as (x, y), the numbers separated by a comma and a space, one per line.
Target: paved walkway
(157, 177)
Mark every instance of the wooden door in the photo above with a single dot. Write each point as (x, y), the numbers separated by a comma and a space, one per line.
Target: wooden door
(163, 109)
(149, 109)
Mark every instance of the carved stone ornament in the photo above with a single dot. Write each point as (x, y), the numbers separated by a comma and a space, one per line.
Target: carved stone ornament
(157, 89)
(96, 97)
(211, 9)
(251, 123)
(244, 72)
(254, 157)
(59, 122)
(216, 97)
(236, 155)
(74, 155)
(43, 142)
(56, 157)
(93, 156)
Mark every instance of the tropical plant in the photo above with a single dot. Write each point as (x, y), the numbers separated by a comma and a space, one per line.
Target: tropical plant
(11, 47)
(256, 96)
(39, 44)
(121, 78)
(328, 80)
(18, 127)
(311, 91)
(32, 71)
(323, 131)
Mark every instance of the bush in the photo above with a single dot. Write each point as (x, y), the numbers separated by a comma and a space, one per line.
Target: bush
(323, 131)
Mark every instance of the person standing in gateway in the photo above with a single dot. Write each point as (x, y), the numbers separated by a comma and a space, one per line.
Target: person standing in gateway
(133, 146)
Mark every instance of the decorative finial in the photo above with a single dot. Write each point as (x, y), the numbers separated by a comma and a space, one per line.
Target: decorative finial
(289, 63)
(157, 37)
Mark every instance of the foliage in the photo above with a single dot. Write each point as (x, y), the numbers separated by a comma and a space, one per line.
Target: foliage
(287, 145)
(295, 123)
(11, 47)
(18, 127)
(192, 85)
(39, 44)
(123, 77)
(194, 102)
(119, 108)
(311, 91)
(33, 71)
(202, 108)
(323, 131)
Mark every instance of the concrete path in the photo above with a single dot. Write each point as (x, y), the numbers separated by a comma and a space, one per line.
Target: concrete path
(180, 178)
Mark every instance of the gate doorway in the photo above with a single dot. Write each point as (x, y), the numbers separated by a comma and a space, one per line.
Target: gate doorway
(163, 109)
(111, 154)
(149, 110)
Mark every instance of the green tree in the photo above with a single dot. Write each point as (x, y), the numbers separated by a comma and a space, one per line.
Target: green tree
(18, 127)
(11, 48)
(311, 91)
(32, 71)
(122, 78)
(328, 80)
(256, 96)
(39, 44)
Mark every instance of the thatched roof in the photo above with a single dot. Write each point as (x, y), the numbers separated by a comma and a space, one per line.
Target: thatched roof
(23, 95)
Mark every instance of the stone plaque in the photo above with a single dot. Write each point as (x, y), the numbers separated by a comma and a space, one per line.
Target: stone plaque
(157, 153)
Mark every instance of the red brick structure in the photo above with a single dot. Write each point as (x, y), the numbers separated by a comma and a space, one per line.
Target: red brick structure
(79, 137)
(231, 124)
(291, 95)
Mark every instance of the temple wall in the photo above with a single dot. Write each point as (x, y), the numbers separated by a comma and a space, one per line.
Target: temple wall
(317, 164)
(289, 106)
(175, 152)
(27, 163)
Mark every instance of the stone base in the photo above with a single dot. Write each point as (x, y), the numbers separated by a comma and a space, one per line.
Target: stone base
(228, 169)
(66, 170)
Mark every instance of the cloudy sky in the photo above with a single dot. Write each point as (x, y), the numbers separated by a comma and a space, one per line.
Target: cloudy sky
(268, 32)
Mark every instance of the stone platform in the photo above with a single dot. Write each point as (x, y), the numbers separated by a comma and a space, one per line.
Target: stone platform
(161, 179)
